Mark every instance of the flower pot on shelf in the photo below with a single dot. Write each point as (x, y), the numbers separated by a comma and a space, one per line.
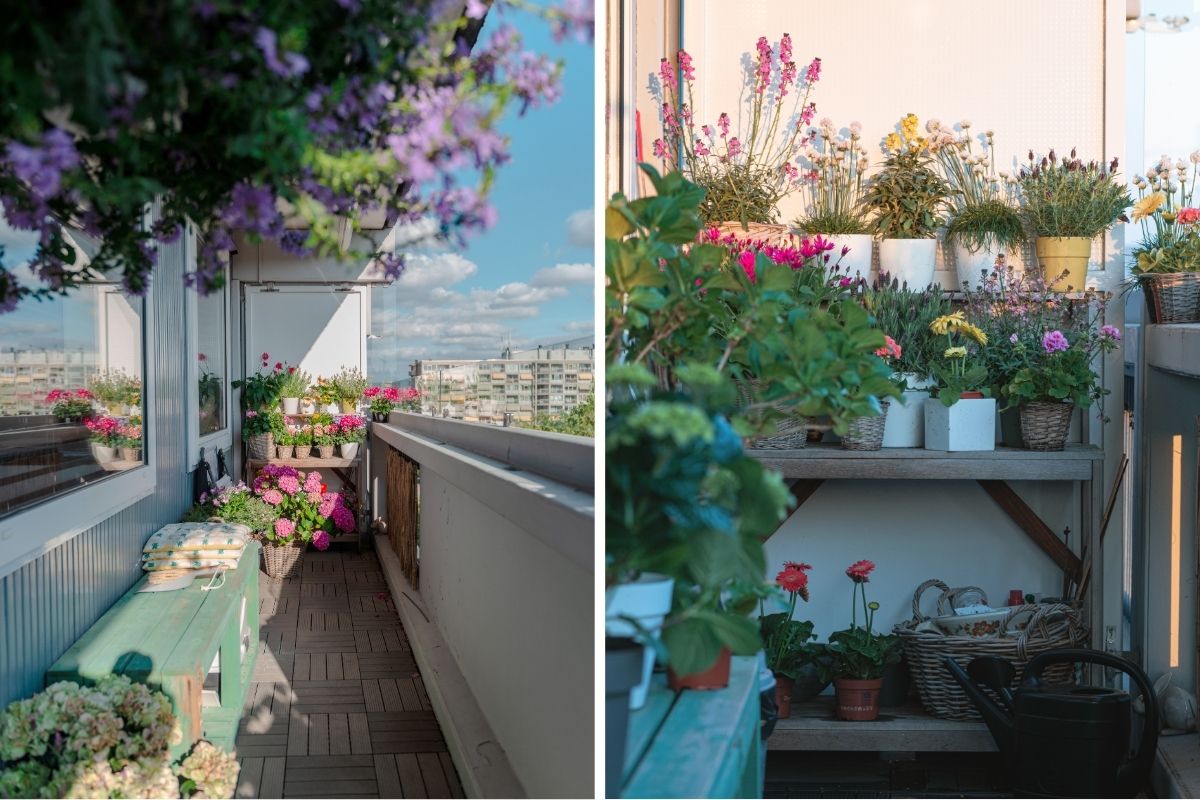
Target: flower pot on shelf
(131, 454)
(1010, 428)
(261, 445)
(103, 453)
(1064, 254)
(804, 687)
(284, 450)
(308, 407)
(969, 424)
(348, 449)
(324, 451)
(972, 267)
(623, 658)
(784, 685)
(716, 676)
(1044, 426)
(291, 405)
(858, 700)
(349, 405)
(281, 561)
(911, 261)
(331, 408)
(648, 600)
(905, 423)
(1172, 298)
(858, 258)
(379, 416)
(866, 433)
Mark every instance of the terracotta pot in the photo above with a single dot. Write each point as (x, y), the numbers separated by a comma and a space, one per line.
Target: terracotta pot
(715, 677)
(783, 694)
(858, 699)
(971, 395)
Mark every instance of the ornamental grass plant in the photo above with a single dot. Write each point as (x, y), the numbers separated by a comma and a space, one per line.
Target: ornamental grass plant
(906, 314)
(833, 180)
(1067, 197)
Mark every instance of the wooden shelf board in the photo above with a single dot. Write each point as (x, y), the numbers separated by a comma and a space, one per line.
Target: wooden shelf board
(304, 463)
(1004, 463)
(813, 726)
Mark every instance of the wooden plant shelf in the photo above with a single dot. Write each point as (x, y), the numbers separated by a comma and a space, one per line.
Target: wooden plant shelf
(814, 726)
(304, 463)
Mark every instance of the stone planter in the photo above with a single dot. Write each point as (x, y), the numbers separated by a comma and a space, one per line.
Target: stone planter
(969, 424)
(905, 424)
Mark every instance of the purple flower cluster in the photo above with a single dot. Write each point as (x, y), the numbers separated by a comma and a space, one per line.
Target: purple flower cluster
(291, 65)
(1054, 342)
(41, 166)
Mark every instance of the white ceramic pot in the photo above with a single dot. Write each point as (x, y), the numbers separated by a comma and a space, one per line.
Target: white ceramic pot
(910, 261)
(857, 260)
(103, 453)
(308, 407)
(972, 267)
(648, 600)
(331, 408)
(348, 449)
(905, 424)
(969, 424)
(291, 405)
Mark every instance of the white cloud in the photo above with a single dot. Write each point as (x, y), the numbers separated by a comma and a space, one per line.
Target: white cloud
(581, 228)
(580, 326)
(564, 275)
(429, 274)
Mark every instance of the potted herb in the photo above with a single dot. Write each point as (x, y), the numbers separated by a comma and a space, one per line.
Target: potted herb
(832, 183)
(349, 431)
(985, 223)
(906, 197)
(907, 314)
(961, 417)
(129, 437)
(349, 384)
(293, 385)
(856, 657)
(70, 405)
(105, 438)
(744, 173)
(1166, 263)
(787, 643)
(1066, 204)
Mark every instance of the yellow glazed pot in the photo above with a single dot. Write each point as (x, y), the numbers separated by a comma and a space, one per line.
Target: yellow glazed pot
(1059, 254)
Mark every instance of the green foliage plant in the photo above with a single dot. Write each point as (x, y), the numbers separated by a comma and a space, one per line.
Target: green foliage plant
(349, 383)
(858, 652)
(983, 204)
(1067, 197)
(577, 421)
(294, 383)
(906, 195)
(905, 314)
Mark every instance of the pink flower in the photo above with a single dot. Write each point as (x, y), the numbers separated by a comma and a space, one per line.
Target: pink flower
(284, 528)
(251, 414)
(1109, 332)
(321, 540)
(1054, 342)
(328, 504)
(723, 124)
(735, 148)
(289, 483)
(660, 148)
(312, 482)
(667, 73)
(746, 259)
(763, 70)
(814, 71)
(1188, 216)
(343, 518)
(794, 578)
(370, 392)
(1013, 338)
(685, 66)
(860, 571)
(314, 497)
(272, 497)
(890, 349)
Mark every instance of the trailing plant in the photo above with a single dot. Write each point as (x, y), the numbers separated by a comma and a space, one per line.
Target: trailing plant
(745, 174)
(833, 181)
(858, 652)
(983, 203)
(232, 116)
(906, 315)
(959, 370)
(906, 195)
(1066, 197)
(1170, 221)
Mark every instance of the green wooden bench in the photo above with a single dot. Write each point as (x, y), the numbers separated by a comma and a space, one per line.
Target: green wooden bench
(169, 640)
(697, 744)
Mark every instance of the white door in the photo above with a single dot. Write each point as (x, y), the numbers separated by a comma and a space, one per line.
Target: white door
(317, 328)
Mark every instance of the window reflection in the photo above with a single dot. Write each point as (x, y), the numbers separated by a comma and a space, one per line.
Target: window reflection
(211, 369)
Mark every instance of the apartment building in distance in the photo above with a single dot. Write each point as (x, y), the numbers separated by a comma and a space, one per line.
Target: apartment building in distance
(517, 386)
(27, 375)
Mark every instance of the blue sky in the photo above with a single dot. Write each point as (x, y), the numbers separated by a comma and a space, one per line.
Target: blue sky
(531, 276)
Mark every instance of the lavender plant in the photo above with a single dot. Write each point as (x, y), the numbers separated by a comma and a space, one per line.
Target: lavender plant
(238, 115)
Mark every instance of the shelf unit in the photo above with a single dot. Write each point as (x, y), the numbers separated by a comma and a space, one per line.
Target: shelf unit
(814, 726)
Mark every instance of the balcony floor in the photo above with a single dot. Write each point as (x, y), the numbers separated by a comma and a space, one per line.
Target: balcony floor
(337, 707)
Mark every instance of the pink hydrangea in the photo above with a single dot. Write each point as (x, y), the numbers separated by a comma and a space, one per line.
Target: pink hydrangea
(314, 497)
(321, 540)
(289, 483)
(272, 497)
(343, 518)
(284, 527)
(312, 482)
(328, 504)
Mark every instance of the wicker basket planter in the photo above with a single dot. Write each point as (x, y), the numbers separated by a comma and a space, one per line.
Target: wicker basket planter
(282, 561)
(1040, 628)
(1044, 426)
(261, 446)
(757, 231)
(866, 433)
(285, 451)
(1172, 298)
(325, 451)
(791, 431)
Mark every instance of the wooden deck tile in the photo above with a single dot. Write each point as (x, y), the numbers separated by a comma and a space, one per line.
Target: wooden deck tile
(249, 777)
(410, 775)
(431, 772)
(272, 777)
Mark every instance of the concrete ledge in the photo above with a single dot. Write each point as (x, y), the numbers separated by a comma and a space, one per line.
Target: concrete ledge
(1176, 771)
(482, 763)
(567, 459)
(1174, 348)
(558, 515)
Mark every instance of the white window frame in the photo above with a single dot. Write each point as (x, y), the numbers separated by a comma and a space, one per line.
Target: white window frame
(34, 531)
(217, 440)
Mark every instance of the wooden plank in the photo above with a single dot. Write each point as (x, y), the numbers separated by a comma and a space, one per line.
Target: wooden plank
(301, 669)
(272, 779)
(339, 734)
(409, 700)
(298, 736)
(814, 726)
(350, 666)
(451, 773)
(321, 762)
(372, 695)
(249, 777)
(1029, 522)
(830, 461)
(436, 784)
(410, 775)
(391, 695)
(298, 774)
(318, 734)
(330, 788)
(360, 734)
(387, 777)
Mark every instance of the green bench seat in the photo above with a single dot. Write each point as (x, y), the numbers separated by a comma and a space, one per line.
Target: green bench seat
(169, 640)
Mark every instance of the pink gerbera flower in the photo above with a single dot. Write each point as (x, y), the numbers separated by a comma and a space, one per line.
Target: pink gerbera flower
(860, 571)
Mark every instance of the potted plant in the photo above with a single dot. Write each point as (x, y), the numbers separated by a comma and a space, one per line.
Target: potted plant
(745, 173)
(866, 432)
(105, 438)
(832, 183)
(306, 512)
(236, 505)
(856, 657)
(906, 197)
(293, 385)
(350, 430)
(113, 389)
(323, 433)
(130, 438)
(325, 394)
(285, 440)
(382, 399)
(1166, 263)
(260, 391)
(985, 224)
(787, 643)
(906, 314)
(258, 432)
(1066, 204)
(70, 405)
(961, 417)
(349, 385)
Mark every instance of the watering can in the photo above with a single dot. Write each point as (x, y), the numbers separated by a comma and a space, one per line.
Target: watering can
(1064, 740)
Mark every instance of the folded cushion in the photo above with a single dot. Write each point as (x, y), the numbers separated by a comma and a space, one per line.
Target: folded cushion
(198, 535)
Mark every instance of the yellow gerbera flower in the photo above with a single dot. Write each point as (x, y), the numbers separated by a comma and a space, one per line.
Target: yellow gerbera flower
(975, 333)
(949, 322)
(1148, 205)
(955, 352)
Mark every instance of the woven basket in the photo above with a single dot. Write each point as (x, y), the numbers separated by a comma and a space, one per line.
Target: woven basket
(791, 431)
(1173, 298)
(325, 451)
(866, 433)
(282, 561)
(261, 446)
(1049, 627)
(1044, 426)
(758, 232)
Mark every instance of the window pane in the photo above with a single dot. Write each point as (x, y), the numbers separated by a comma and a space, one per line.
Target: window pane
(71, 401)
(211, 369)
